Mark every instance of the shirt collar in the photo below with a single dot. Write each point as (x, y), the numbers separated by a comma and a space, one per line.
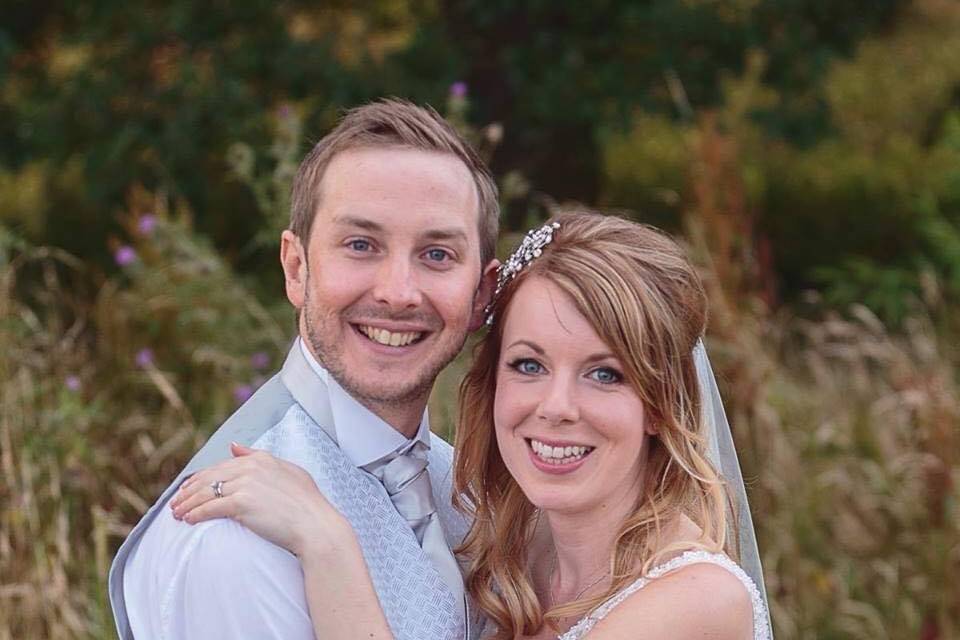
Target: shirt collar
(362, 435)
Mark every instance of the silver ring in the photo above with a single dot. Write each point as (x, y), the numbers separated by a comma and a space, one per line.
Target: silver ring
(217, 488)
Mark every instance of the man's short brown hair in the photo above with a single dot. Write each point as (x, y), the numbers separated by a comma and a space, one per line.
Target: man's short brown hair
(393, 122)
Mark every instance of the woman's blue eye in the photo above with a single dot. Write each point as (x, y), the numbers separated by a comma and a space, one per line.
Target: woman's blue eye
(359, 245)
(527, 366)
(437, 255)
(606, 375)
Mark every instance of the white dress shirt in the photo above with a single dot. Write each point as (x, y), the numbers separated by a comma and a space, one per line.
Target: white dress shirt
(217, 579)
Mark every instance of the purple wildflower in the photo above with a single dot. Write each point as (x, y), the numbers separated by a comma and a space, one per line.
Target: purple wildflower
(144, 357)
(125, 255)
(73, 383)
(146, 224)
(242, 393)
(458, 90)
(260, 360)
(283, 111)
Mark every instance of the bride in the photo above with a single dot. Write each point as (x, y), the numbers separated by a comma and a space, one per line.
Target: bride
(586, 455)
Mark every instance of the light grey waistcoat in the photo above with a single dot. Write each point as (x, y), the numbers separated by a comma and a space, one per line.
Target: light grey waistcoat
(402, 575)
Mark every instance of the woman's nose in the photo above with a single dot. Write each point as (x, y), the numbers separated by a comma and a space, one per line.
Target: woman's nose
(559, 402)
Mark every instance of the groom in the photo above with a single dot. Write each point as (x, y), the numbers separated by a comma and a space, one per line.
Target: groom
(389, 261)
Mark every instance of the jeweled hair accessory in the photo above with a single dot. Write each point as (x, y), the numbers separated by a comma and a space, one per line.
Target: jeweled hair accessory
(530, 248)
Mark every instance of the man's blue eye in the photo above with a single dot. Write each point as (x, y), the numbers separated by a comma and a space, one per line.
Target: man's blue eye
(606, 375)
(437, 255)
(359, 245)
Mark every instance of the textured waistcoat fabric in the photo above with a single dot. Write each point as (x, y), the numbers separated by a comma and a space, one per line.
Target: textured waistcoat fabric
(406, 478)
(284, 418)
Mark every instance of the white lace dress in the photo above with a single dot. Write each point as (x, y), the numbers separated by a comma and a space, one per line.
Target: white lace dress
(761, 627)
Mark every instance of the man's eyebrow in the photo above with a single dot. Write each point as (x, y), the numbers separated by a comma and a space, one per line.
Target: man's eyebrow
(356, 221)
(452, 233)
(447, 233)
(527, 343)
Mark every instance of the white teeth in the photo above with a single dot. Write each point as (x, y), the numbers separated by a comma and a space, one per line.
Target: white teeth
(389, 338)
(558, 455)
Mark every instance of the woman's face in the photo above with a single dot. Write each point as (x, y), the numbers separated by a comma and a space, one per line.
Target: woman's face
(570, 429)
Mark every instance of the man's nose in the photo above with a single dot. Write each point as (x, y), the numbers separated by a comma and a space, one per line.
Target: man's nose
(558, 404)
(397, 285)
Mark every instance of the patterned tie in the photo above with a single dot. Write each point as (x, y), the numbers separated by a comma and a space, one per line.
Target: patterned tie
(407, 482)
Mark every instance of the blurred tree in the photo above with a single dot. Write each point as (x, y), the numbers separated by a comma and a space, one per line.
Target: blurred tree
(559, 75)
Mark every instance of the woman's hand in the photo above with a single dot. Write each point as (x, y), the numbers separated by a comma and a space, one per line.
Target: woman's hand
(275, 499)
(279, 501)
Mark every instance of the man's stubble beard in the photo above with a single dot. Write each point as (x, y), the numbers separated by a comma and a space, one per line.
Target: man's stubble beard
(330, 357)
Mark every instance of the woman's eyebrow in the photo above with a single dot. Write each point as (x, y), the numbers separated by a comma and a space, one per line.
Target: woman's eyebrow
(527, 343)
(596, 357)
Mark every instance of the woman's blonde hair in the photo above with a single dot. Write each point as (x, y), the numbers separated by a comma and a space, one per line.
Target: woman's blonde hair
(644, 299)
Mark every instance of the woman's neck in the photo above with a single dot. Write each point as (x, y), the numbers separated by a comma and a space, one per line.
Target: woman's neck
(582, 542)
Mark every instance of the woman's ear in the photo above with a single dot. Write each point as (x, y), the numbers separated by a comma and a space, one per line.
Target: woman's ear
(651, 423)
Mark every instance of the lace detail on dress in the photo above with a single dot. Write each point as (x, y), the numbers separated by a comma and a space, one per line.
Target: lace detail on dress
(761, 628)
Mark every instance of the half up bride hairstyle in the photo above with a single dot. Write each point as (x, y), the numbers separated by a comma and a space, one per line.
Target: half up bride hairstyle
(644, 299)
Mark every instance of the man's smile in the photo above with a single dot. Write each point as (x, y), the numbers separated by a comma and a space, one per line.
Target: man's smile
(390, 338)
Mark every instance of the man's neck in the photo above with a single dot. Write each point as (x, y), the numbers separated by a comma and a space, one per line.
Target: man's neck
(404, 417)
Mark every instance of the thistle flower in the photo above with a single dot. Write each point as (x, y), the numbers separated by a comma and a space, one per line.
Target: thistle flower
(147, 224)
(125, 256)
(260, 360)
(242, 393)
(144, 357)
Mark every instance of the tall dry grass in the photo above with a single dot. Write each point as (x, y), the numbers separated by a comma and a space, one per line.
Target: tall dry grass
(106, 387)
(849, 434)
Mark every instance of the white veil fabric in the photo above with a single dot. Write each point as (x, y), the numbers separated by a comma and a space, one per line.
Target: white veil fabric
(723, 455)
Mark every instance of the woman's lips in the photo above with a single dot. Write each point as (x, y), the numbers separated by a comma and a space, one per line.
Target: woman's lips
(557, 458)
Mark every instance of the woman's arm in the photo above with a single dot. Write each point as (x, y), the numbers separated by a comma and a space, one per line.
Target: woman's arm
(280, 502)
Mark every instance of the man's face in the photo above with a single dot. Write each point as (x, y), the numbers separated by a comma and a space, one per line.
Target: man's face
(393, 269)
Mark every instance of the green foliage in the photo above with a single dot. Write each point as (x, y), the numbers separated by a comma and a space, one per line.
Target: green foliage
(862, 213)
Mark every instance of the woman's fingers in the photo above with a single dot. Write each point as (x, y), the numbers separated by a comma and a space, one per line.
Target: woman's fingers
(238, 449)
(202, 482)
(225, 507)
(251, 464)
(201, 495)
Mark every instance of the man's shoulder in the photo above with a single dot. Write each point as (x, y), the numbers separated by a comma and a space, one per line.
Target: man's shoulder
(269, 406)
(215, 579)
(224, 549)
(174, 554)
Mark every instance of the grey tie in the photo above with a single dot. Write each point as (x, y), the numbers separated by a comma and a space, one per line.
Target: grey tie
(407, 482)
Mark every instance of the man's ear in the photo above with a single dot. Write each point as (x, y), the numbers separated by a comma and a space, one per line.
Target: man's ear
(485, 289)
(293, 258)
